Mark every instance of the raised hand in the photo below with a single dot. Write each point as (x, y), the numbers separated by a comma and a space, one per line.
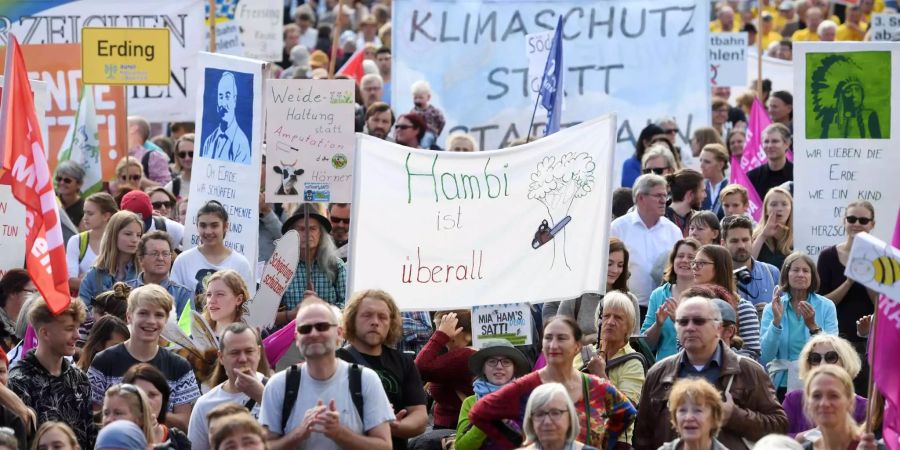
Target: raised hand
(777, 307)
(448, 324)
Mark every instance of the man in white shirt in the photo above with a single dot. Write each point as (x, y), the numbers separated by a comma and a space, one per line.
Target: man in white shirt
(240, 352)
(324, 415)
(648, 235)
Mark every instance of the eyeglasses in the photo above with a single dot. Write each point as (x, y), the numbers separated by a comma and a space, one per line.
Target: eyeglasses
(661, 197)
(700, 264)
(321, 327)
(403, 127)
(68, 180)
(499, 362)
(160, 205)
(831, 357)
(656, 170)
(340, 220)
(553, 414)
(159, 254)
(130, 177)
(186, 155)
(850, 219)
(699, 321)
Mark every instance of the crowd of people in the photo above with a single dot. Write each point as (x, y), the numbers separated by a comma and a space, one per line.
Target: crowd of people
(713, 333)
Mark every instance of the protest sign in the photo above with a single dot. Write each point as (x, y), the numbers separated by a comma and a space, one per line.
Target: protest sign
(228, 151)
(274, 280)
(452, 230)
(885, 26)
(845, 137)
(874, 264)
(260, 23)
(537, 48)
(12, 231)
(511, 322)
(642, 59)
(130, 56)
(728, 59)
(309, 140)
(61, 21)
(58, 66)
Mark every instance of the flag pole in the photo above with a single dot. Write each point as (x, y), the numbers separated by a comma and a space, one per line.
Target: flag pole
(537, 101)
(335, 36)
(873, 392)
(759, 51)
(212, 26)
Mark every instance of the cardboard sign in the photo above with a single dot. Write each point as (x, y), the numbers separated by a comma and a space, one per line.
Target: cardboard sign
(874, 264)
(58, 66)
(274, 280)
(309, 140)
(138, 56)
(511, 322)
(12, 231)
(728, 59)
(537, 49)
(260, 23)
(885, 26)
(845, 137)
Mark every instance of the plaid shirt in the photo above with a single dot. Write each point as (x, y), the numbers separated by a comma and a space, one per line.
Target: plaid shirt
(416, 331)
(334, 293)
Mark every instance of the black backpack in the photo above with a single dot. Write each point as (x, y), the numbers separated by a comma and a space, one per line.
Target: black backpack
(292, 390)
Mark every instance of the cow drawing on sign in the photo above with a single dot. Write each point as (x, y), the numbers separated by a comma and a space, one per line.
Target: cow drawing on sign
(288, 178)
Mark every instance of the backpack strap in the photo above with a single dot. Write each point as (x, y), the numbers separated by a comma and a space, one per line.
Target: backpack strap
(83, 242)
(615, 362)
(145, 161)
(356, 391)
(249, 404)
(160, 223)
(176, 187)
(291, 391)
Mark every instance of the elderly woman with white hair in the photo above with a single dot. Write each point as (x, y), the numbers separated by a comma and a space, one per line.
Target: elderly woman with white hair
(69, 178)
(461, 142)
(658, 159)
(551, 422)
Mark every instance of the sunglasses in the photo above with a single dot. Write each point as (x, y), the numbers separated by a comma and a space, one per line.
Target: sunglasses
(321, 327)
(130, 177)
(672, 131)
(68, 180)
(850, 219)
(403, 127)
(186, 155)
(656, 170)
(160, 205)
(831, 357)
(340, 220)
(699, 321)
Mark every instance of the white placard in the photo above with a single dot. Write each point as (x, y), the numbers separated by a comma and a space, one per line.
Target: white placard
(274, 280)
(875, 264)
(309, 140)
(12, 231)
(639, 59)
(885, 27)
(260, 23)
(511, 321)
(442, 230)
(184, 19)
(728, 59)
(846, 137)
(537, 48)
(228, 151)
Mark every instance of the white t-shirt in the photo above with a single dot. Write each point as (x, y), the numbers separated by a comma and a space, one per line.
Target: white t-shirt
(198, 430)
(73, 250)
(191, 267)
(376, 407)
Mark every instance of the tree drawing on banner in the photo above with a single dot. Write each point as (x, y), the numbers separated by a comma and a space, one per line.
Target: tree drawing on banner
(557, 183)
(848, 95)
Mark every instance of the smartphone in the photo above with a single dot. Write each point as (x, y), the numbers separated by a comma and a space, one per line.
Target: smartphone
(587, 353)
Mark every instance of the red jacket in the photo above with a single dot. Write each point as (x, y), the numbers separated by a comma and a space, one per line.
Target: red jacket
(448, 375)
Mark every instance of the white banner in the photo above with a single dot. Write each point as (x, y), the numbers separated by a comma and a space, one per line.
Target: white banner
(778, 71)
(228, 151)
(453, 230)
(309, 140)
(12, 231)
(728, 59)
(845, 137)
(640, 59)
(60, 22)
(885, 27)
(260, 23)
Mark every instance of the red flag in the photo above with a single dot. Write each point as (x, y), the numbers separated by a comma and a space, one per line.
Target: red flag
(353, 68)
(884, 362)
(28, 174)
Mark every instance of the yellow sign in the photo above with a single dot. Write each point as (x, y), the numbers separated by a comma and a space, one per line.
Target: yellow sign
(122, 56)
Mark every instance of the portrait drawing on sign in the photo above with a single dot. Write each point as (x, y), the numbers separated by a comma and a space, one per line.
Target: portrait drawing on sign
(227, 116)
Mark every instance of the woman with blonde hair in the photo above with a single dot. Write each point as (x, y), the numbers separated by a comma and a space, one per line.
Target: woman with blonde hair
(184, 162)
(820, 350)
(702, 137)
(117, 260)
(551, 421)
(129, 177)
(696, 411)
(128, 402)
(226, 299)
(829, 401)
(55, 436)
(82, 249)
(773, 237)
(461, 142)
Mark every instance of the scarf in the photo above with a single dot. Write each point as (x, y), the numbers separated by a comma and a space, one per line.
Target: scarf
(483, 387)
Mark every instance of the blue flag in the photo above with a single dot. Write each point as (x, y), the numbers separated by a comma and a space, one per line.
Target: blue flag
(551, 91)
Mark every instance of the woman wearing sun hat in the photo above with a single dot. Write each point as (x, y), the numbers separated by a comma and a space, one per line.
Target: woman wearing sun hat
(495, 365)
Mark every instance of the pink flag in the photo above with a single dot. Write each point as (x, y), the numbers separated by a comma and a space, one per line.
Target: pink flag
(753, 156)
(884, 365)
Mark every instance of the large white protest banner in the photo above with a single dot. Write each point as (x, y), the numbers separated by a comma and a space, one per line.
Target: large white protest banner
(61, 21)
(728, 59)
(845, 137)
(639, 59)
(780, 72)
(228, 151)
(454, 230)
(12, 231)
(309, 140)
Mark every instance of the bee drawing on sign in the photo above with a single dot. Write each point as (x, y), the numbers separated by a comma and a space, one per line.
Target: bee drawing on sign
(883, 269)
(288, 178)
